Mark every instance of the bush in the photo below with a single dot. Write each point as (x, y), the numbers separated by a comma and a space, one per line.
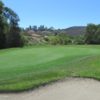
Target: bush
(60, 39)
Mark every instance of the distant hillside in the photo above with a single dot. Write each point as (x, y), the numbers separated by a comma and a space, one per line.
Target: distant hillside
(76, 30)
(34, 37)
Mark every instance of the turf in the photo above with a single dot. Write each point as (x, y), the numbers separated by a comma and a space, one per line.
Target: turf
(27, 68)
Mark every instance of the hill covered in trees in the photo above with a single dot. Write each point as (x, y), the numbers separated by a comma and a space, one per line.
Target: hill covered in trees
(71, 35)
(51, 35)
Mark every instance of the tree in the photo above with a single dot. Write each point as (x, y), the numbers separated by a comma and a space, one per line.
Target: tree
(97, 36)
(90, 33)
(35, 28)
(41, 28)
(9, 31)
(51, 29)
(13, 37)
(2, 27)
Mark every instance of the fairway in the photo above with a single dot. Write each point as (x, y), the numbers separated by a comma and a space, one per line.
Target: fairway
(29, 67)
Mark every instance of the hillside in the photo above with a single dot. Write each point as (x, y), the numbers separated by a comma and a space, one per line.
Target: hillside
(75, 30)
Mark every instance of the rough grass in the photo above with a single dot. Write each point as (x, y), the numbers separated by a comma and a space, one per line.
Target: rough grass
(26, 68)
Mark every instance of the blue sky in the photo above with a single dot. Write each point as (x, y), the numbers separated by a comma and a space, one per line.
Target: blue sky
(57, 13)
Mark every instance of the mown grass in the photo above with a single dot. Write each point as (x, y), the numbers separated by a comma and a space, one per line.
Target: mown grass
(27, 68)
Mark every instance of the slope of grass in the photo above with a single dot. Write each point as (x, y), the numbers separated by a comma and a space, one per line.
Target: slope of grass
(25, 68)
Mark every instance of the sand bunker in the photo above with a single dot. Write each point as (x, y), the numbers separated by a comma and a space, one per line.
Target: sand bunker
(69, 89)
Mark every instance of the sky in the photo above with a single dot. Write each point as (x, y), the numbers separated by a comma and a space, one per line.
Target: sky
(56, 13)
